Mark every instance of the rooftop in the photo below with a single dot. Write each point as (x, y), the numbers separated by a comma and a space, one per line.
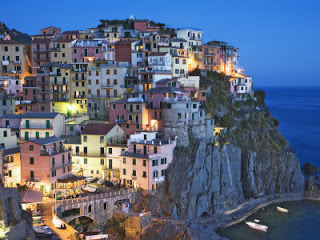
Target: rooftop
(40, 115)
(11, 42)
(164, 90)
(97, 128)
(56, 64)
(71, 139)
(11, 151)
(41, 40)
(155, 54)
(13, 116)
(44, 141)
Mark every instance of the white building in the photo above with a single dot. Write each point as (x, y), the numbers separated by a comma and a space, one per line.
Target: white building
(193, 36)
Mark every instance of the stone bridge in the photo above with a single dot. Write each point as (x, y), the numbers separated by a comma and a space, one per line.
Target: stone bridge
(99, 207)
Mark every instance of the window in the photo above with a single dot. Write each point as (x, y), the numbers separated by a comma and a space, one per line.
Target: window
(5, 134)
(155, 174)
(179, 115)
(124, 171)
(97, 81)
(31, 175)
(194, 106)
(97, 50)
(74, 50)
(108, 72)
(176, 71)
(53, 162)
(137, 107)
(163, 161)
(89, 90)
(115, 82)
(85, 138)
(6, 49)
(105, 206)
(10, 173)
(163, 172)
(110, 150)
(85, 161)
(110, 163)
(31, 160)
(115, 71)
(53, 173)
(31, 148)
(144, 174)
(134, 161)
(184, 61)
(154, 162)
(177, 60)
(17, 49)
(113, 106)
(155, 149)
(124, 160)
(47, 134)
(63, 45)
(97, 73)
(144, 163)
(90, 208)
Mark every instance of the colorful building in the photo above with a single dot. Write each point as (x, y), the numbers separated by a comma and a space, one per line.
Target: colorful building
(145, 163)
(12, 167)
(43, 162)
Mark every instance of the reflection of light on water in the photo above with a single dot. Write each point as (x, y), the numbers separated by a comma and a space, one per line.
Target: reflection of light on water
(300, 223)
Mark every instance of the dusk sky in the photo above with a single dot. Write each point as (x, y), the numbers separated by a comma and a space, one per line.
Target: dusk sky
(278, 41)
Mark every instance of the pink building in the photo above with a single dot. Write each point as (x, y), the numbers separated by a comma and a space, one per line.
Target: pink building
(84, 51)
(145, 163)
(50, 31)
(143, 25)
(10, 84)
(43, 162)
(130, 113)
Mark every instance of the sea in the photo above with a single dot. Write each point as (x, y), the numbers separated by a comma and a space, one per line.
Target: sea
(298, 111)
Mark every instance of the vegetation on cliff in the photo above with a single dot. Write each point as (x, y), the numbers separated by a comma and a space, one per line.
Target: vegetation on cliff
(15, 34)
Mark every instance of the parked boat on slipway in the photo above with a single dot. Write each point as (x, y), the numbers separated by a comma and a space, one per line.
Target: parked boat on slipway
(280, 209)
(257, 226)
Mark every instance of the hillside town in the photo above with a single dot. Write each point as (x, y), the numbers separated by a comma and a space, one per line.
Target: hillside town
(99, 112)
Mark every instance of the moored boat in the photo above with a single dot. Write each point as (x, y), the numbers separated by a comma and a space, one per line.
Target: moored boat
(280, 209)
(257, 226)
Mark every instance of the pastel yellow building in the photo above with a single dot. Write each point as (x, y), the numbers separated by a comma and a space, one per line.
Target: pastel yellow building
(12, 167)
(96, 152)
(61, 51)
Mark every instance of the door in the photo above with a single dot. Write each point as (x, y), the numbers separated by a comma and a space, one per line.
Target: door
(131, 108)
(26, 136)
(85, 150)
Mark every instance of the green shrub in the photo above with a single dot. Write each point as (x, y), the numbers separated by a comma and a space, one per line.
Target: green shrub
(260, 95)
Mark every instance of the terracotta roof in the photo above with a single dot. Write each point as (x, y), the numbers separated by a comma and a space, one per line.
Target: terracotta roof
(31, 196)
(63, 40)
(97, 128)
(154, 54)
(41, 40)
(50, 27)
(14, 42)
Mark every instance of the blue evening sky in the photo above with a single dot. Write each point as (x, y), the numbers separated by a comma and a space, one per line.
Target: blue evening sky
(278, 40)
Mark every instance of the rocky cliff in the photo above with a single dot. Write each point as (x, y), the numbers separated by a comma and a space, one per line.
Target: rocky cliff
(250, 160)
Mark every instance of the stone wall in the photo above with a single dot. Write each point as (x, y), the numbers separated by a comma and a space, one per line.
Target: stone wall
(98, 207)
(13, 220)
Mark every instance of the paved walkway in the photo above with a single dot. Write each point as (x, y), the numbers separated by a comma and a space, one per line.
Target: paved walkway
(46, 210)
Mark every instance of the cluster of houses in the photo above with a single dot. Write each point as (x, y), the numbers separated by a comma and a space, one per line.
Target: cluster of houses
(96, 102)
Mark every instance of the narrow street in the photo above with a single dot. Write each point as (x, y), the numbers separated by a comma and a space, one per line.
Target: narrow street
(46, 210)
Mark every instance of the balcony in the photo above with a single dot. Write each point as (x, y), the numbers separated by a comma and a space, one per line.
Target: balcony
(42, 83)
(80, 70)
(16, 71)
(40, 50)
(17, 62)
(138, 154)
(29, 86)
(107, 86)
(80, 96)
(35, 179)
(57, 49)
(59, 83)
(59, 100)
(154, 71)
(59, 91)
(83, 154)
(55, 74)
(51, 152)
(43, 91)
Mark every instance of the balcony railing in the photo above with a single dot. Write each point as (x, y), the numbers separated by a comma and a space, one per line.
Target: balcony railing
(107, 86)
(50, 152)
(57, 49)
(16, 62)
(80, 96)
(83, 154)
(59, 91)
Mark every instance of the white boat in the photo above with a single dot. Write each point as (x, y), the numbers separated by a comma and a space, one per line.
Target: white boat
(43, 231)
(257, 226)
(58, 223)
(102, 181)
(280, 209)
(90, 179)
(89, 189)
(256, 220)
(97, 237)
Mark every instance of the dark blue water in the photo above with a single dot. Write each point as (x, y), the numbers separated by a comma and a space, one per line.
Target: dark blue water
(298, 111)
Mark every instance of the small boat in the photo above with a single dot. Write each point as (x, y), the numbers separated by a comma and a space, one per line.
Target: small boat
(280, 209)
(256, 220)
(97, 237)
(58, 223)
(43, 231)
(102, 181)
(257, 226)
(89, 189)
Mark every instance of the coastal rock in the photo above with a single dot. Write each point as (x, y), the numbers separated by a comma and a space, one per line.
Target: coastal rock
(310, 169)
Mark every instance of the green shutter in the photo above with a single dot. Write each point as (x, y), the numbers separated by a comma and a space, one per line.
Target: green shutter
(48, 124)
(37, 135)
(27, 124)
(26, 136)
(47, 134)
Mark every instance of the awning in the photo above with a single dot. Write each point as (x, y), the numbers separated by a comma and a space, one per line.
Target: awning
(178, 92)
(70, 178)
(31, 196)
